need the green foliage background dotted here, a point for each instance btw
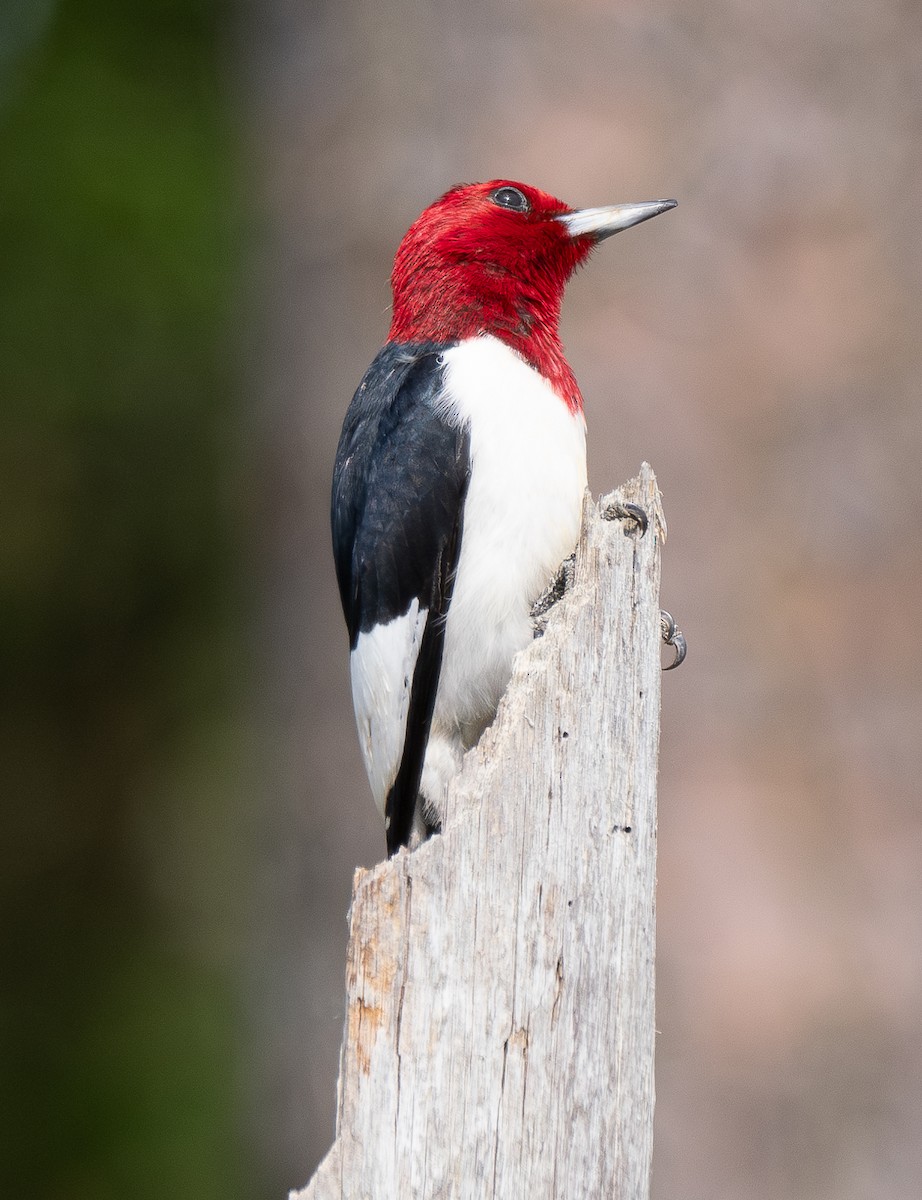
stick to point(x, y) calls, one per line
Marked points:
point(120, 733)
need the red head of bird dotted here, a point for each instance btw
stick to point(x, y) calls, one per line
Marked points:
point(495, 258)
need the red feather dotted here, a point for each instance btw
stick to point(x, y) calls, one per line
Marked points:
point(468, 266)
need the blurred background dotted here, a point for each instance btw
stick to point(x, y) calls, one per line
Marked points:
point(199, 206)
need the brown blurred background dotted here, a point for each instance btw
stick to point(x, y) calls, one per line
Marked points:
point(222, 191)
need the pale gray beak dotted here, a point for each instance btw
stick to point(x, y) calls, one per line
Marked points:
point(599, 223)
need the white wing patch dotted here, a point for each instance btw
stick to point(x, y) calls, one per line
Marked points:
point(382, 666)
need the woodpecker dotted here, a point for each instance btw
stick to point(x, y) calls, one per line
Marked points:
point(459, 480)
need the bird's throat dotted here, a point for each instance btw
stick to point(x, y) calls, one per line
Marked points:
point(498, 304)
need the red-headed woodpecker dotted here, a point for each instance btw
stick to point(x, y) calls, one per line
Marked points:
point(459, 480)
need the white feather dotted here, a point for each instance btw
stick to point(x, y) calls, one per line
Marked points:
point(382, 666)
point(521, 519)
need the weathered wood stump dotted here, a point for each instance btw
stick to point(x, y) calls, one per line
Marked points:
point(500, 980)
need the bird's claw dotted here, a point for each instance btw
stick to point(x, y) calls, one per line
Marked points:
point(555, 590)
point(673, 636)
point(626, 512)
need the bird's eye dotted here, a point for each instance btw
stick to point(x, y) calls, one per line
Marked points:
point(510, 197)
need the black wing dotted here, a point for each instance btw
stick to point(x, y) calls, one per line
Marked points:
point(399, 484)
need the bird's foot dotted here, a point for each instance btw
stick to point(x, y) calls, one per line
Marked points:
point(626, 512)
point(673, 636)
point(555, 590)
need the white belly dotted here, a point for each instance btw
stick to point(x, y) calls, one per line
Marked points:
point(521, 519)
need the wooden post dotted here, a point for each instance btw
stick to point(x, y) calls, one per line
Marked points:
point(500, 980)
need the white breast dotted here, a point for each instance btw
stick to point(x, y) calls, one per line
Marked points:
point(521, 519)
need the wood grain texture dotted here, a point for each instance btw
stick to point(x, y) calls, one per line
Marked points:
point(499, 1035)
